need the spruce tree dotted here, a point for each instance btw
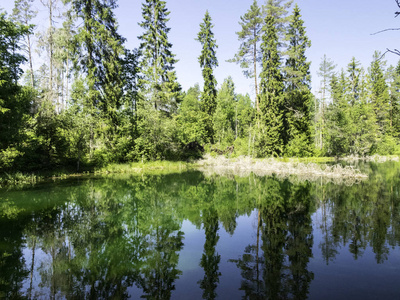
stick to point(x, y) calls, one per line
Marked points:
point(279, 10)
point(297, 91)
point(380, 94)
point(159, 80)
point(395, 100)
point(270, 136)
point(249, 54)
point(98, 55)
point(354, 73)
point(208, 61)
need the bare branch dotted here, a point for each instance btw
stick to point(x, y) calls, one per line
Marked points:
point(389, 29)
point(395, 51)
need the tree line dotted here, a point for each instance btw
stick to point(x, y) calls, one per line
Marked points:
point(93, 101)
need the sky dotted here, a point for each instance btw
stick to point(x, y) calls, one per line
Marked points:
point(340, 29)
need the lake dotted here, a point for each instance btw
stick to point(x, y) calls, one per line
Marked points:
point(194, 235)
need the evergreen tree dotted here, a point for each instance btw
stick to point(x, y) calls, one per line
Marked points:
point(98, 54)
point(249, 54)
point(159, 80)
point(354, 71)
point(395, 100)
point(270, 136)
point(380, 94)
point(298, 94)
point(208, 61)
point(279, 10)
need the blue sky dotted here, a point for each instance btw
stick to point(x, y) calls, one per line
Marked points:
point(340, 29)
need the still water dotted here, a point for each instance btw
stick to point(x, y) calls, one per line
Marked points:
point(193, 235)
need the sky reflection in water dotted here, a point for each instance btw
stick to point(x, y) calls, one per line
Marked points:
point(190, 235)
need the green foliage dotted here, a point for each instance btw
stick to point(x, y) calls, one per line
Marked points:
point(224, 116)
point(298, 137)
point(208, 61)
point(157, 65)
point(379, 93)
point(271, 129)
point(157, 136)
point(249, 54)
point(98, 54)
point(191, 120)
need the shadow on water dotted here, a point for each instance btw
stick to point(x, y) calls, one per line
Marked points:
point(122, 237)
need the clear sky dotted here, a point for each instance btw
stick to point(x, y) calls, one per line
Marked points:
point(340, 29)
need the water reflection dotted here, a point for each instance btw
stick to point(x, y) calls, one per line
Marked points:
point(122, 237)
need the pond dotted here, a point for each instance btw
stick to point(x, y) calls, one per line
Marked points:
point(194, 235)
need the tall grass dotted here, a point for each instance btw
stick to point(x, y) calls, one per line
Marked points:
point(140, 167)
point(13, 179)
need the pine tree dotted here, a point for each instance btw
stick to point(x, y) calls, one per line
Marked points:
point(159, 80)
point(279, 10)
point(249, 54)
point(297, 91)
point(208, 61)
point(270, 136)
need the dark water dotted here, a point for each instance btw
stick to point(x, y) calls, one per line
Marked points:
point(192, 236)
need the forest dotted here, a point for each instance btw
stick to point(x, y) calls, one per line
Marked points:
point(94, 102)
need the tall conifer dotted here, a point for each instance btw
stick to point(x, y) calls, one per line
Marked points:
point(99, 53)
point(208, 61)
point(270, 137)
point(380, 93)
point(158, 62)
point(298, 94)
point(249, 54)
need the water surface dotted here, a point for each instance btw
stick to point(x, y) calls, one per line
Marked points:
point(192, 236)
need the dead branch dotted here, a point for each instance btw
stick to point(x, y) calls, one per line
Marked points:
point(388, 29)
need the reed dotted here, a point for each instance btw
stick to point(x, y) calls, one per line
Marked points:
point(311, 171)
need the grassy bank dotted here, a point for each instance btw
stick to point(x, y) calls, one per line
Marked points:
point(141, 167)
point(308, 168)
point(305, 170)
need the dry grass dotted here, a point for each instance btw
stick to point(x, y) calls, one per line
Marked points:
point(243, 166)
point(374, 158)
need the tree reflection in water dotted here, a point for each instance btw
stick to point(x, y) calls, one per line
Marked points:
point(100, 237)
point(284, 220)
